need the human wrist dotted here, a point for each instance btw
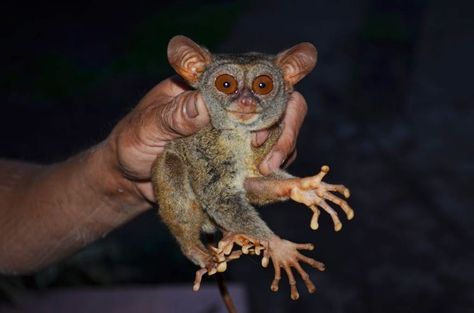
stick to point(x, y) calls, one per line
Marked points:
point(104, 174)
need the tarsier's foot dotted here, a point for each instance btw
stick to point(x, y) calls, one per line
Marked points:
point(313, 192)
point(284, 254)
point(214, 262)
point(247, 243)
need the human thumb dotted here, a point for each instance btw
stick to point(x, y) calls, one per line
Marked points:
point(182, 116)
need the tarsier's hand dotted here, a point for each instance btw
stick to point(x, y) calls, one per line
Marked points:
point(313, 192)
point(171, 110)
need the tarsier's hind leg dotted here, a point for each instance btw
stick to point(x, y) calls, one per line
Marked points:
point(183, 215)
point(179, 209)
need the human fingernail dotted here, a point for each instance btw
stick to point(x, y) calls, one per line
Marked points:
point(260, 138)
point(191, 109)
point(275, 161)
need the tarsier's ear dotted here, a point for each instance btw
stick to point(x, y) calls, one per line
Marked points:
point(297, 62)
point(187, 58)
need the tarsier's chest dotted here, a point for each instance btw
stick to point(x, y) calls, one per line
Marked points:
point(218, 157)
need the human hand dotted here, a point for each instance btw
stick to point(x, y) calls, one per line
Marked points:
point(171, 110)
point(283, 152)
point(168, 111)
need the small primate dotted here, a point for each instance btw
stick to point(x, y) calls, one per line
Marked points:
point(209, 181)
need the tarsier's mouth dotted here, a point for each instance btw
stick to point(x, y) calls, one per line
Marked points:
point(244, 117)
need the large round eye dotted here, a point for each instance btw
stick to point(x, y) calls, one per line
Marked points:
point(262, 85)
point(226, 83)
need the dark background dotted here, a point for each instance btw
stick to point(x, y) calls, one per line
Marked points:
point(391, 108)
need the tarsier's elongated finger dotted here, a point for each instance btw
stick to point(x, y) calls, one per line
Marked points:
point(234, 255)
point(212, 271)
point(213, 249)
point(292, 281)
point(198, 278)
point(258, 249)
point(266, 258)
point(304, 246)
point(311, 262)
point(221, 267)
point(342, 203)
point(339, 188)
point(305, 277)
point(315, 219)
point(276, 279)
point(217, 254)
point(225, 246)
point(228, 248)
point(314, 181)
point(335, 218)
point(246, 248)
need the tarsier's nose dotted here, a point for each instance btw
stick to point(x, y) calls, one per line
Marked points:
point(245, 107)
point(247, 99)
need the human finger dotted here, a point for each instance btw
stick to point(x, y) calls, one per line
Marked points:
point(292, 121)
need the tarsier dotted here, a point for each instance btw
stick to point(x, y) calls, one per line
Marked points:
point(210, 181)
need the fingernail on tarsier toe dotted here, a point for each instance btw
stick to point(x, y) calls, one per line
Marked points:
point(209, 181)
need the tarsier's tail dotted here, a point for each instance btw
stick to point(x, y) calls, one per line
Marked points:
point(229, 304)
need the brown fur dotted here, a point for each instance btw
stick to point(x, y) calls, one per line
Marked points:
point(199, 180)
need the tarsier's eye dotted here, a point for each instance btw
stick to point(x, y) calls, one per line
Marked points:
point(226, 83)
point(262, 85)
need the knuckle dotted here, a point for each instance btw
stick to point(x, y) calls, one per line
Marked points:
point(300, 102)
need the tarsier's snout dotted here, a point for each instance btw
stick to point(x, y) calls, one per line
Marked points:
point(245, 108)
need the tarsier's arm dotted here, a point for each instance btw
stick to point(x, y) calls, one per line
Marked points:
point(281, 186)
point(311, 191)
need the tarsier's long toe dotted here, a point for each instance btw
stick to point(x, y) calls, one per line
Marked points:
point(313, 192)
point(223, 254)
point(215, 263)
point(284, 254)
point(247, 243)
